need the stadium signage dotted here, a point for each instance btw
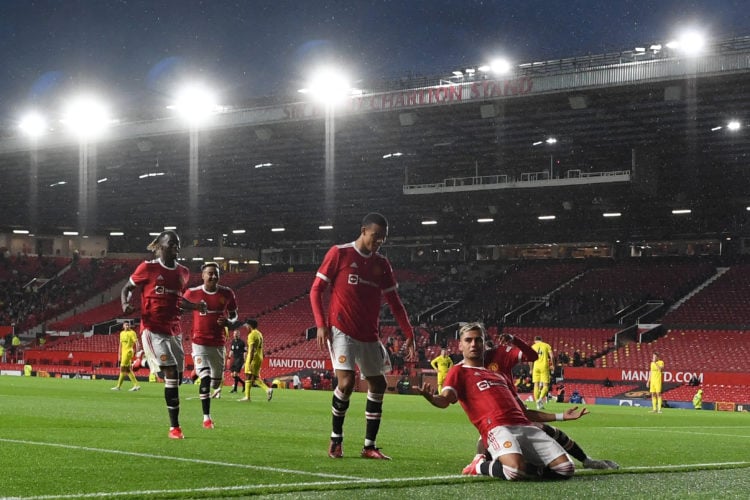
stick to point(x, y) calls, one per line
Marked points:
point(642, 376)
point(296, 363)
point(427, 96)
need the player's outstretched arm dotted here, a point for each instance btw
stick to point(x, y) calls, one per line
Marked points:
point(573, 413)
point(440, 400)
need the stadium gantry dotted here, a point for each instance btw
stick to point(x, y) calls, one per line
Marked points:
point(637, 134)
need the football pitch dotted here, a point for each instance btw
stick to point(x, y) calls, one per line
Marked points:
point(65, 438)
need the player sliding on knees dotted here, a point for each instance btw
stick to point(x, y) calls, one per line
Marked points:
point(502, 359)
point(517, 448)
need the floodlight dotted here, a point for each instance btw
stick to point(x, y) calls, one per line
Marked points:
point(328, 85)
point(733, 125)
point(170, 228)
point(485, 220)
point(33, 124)
point(116, 233)
point(325, 227)
point(681, 211)
point(86, 116)
point(277, 229)
point(690, 42)
point(20, 231)
point(612, 214)
point(70, 233)
point(238, 231)
point(429, 222)
point(195, 103)
point(546, 217)
point(500, 66)
point(551, 140)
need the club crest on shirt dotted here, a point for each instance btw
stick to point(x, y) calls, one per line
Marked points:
point(342, 359)
point(507, 444)
point(163, 357)
point(198, 360)
point(493, 367)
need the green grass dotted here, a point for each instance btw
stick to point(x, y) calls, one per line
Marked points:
point(64, 438)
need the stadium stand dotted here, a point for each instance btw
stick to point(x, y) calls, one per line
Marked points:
point(722, 302)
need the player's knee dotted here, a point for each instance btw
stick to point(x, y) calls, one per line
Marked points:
point(511, 473)
point(564, 470)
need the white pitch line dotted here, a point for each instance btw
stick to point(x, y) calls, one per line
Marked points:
point(369, 481)
point(683, 466)
point(681, 430)
point(291, 486)
point(183, 459)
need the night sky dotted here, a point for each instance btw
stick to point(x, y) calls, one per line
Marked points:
point(135, 52)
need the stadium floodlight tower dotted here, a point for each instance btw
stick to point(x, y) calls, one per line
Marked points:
point(195, 104)
point(690, 42)
point(87, 117)
point(330, 87)
point(33, 125)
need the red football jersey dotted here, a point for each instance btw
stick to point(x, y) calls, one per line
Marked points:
point(161, 292)
point(486, 396)
point(357, 282)
point(206, 330)
point(502, 359)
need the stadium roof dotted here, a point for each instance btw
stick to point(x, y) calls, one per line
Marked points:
point(661, 118)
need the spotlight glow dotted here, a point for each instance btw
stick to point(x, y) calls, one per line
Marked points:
point(86, 116)
point(33, 124)
point(328, 85)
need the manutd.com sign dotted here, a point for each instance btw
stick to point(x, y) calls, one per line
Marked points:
point(297, 364)
point(679, 377)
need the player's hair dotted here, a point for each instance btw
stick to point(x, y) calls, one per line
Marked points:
point(374, 218)
point(211, 264)
point(468, 327)
point(156, 245)
point(253, 323)
point(538, 337)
